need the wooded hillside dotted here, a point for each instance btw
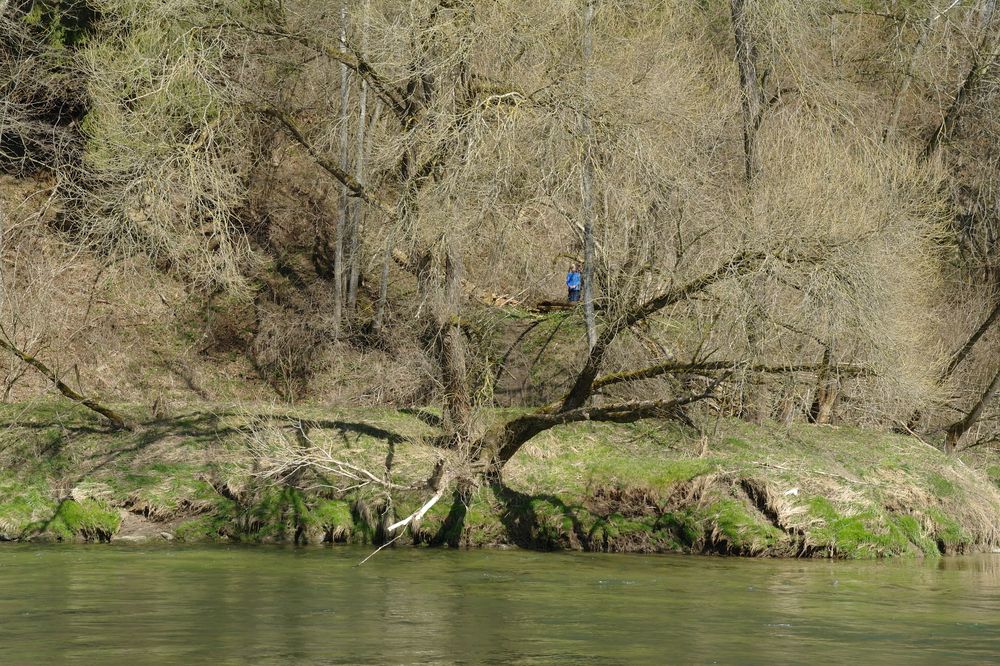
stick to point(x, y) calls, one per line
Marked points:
point(785, 210)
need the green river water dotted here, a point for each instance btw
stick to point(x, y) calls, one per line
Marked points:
point(268, 605)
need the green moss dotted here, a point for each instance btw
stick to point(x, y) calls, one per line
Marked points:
point(89, 519)
point(736, 444)
point(163, 490)
point(202, 528)
point(483, 524)
point(684, 525)
point(846, 536)
point(732, 520)
point(275, 515)
point(332, 514)
point(23, 502)
point(552, 526)
point(582, 485)
point(621, 533)
point(867, 533)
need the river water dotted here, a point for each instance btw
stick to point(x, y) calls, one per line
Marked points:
point(269, 605)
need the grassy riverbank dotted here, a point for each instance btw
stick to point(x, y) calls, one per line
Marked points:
point(646, 487)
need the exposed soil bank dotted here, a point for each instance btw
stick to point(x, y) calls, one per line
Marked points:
point(648, 487)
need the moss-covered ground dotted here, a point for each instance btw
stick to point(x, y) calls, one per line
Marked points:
point(652, 486)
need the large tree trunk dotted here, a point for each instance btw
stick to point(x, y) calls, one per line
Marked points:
point(458, 403)
point(583, 386)
point(502, 443)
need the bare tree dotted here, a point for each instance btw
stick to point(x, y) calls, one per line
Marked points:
point(587, 177)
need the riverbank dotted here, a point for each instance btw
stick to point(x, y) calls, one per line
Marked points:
point(812, 491)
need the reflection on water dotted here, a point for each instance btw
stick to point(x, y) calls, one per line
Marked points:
point(235, 605)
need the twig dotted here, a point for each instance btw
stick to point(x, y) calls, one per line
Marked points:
point(916, 436)
point(387, 543)
point(811, 471)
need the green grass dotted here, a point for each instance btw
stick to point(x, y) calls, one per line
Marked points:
point(741, 530)
point(23, 502)
point(89, 519)
point(869, 533)
point(993, 474)
point(941, 486)
point(647, 486)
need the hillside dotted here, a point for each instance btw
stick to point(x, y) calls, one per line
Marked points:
point(783, 217)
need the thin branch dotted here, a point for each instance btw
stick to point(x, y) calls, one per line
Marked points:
point(674, 367)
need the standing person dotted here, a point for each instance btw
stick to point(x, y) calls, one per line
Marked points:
point(573, 283)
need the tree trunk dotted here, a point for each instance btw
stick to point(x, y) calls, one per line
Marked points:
point(904, 85)
point(383, 289)
point(960, 355)
point(962, 426)
point(755, 397)
point(751, 92)
point(583, 386)
point(503, 442)
point(587, 180)
point(357, 212)
point(752, 99)
point(827, 392)
point(458, 404)
point(342, 223)
point(982, 60)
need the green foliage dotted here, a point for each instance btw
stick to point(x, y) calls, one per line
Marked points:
point(66, 23)
point(914, 533)
point(640, 487)
point(870, 533)
point(846, 535)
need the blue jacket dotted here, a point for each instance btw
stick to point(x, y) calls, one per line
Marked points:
point(574, 280)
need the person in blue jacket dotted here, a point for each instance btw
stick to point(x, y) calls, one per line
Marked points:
point(573, 283)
